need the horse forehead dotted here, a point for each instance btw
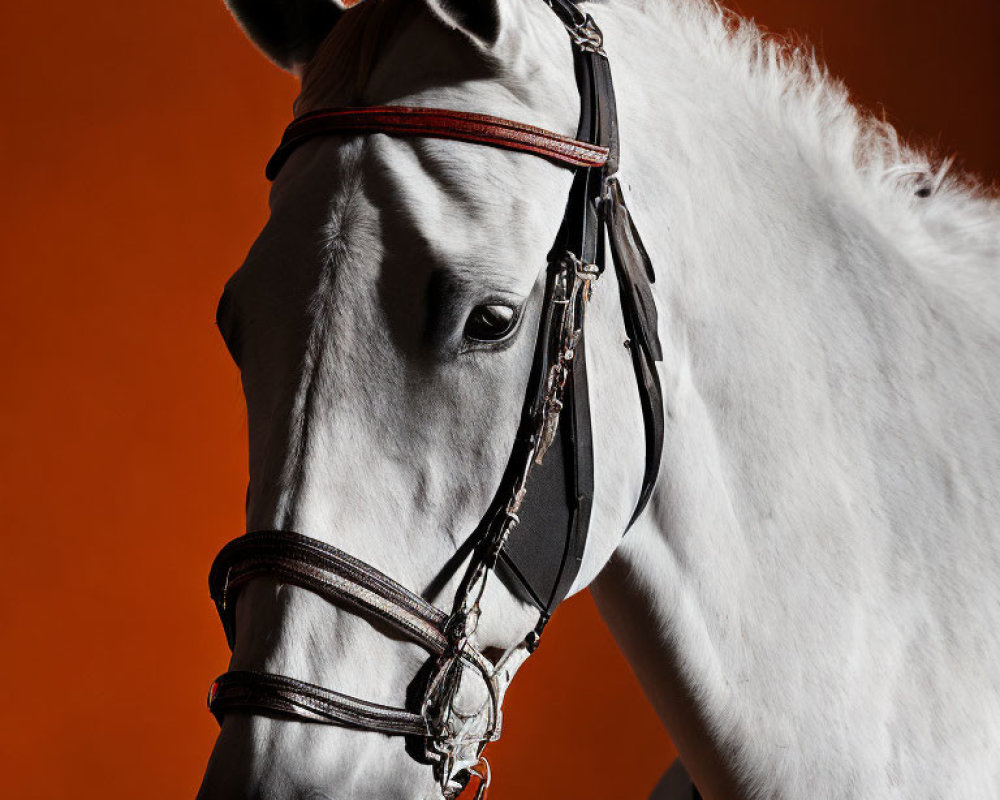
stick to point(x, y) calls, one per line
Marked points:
point(459, 203)
point(463, 201)
point(363, 209)
point(379, 55)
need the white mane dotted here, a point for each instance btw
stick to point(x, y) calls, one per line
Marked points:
point(825, 553)
point(777, 85)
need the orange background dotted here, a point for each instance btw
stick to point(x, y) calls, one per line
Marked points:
point(132, 145)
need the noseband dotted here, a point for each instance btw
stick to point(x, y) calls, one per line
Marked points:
point(533, 540)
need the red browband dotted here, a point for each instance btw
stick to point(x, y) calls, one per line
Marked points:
point(439, 123)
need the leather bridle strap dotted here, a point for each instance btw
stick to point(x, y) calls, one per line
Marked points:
point(339, 578)
point(242, 690)
point(635, 277)
point(462, 126)
point(325, 570)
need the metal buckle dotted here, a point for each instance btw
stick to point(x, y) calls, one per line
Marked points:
point(485, 775)
point(587, 36)
point(584, 270)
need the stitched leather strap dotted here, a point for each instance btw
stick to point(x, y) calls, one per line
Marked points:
point(438, 123)
point(635, 278)
point(251, 690)
point(321, 568)
point(338, 577)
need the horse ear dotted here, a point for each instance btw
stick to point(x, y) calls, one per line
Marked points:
point(480, 20)
point(287, 31)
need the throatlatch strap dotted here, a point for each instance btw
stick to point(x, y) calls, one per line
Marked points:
point(439, 123)
point(635, 276)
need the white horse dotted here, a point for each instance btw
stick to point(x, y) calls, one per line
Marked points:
point(812, 599)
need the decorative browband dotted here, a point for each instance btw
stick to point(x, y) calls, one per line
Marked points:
point(439, 123)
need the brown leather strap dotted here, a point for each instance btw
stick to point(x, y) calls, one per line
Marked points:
point(248, 690)
point(338, 577)
point(438, 123)
point(327, 571)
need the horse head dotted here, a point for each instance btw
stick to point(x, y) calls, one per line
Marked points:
point(386, 325)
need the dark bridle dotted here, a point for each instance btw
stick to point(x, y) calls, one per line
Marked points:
point(535, 540)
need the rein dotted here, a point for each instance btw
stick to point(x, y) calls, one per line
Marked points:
point(533, 539)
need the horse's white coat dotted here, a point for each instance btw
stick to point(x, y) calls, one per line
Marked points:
point(813, 599)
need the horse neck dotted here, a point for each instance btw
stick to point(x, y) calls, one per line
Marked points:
point(829, 338)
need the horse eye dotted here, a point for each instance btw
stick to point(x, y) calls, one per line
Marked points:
point(490, 322)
